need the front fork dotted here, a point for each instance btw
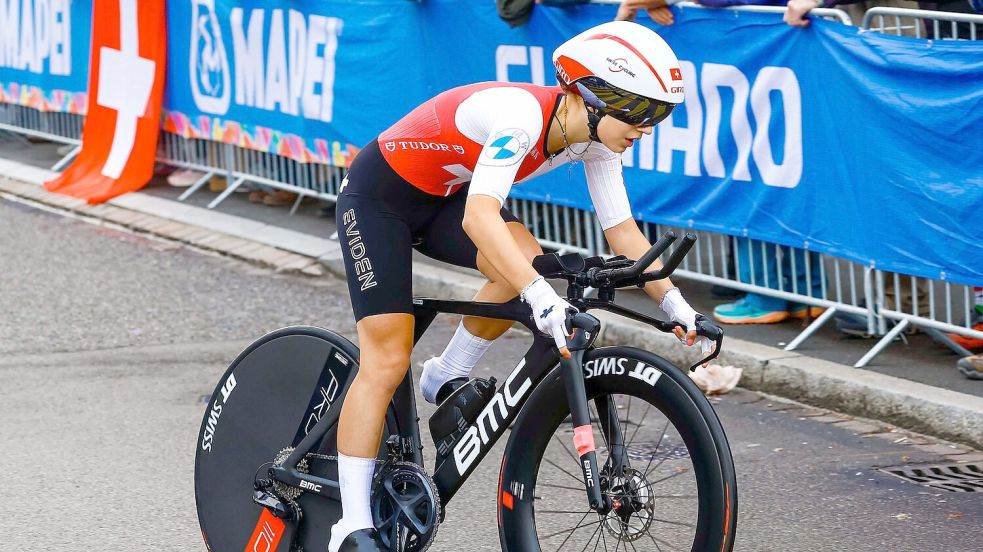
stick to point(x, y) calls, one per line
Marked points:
point(585, 328)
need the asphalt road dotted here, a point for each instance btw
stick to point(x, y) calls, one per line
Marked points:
point(109, 340)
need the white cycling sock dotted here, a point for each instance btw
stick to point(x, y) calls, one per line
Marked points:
point(355, 478)
point(461, 355)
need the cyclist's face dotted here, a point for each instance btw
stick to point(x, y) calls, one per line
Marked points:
point(617, 135)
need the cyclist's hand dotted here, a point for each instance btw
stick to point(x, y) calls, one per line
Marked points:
point(549, 312)
point(679, 311)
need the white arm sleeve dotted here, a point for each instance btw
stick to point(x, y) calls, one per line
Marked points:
point(513, 133)
point(606, 185)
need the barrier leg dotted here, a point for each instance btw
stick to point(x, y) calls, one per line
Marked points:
point(811, 329)
point(64, 160)
point(231, 188)
point(194, 187)
point(882, 344)
point(300, 197)
point(17, 138)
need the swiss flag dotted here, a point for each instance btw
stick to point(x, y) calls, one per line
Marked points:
point(119, 137)
point(676, 74)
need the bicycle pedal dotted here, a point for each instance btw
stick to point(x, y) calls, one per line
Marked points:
point(460, 409)
point(276, 506)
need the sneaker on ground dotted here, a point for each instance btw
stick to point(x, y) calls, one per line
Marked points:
point(217, 184)
point(855, 325)
point(804, 311)
point(971, 367)
point(184, 178)
point(283, 197)
point(971, 343)
point(742, 312)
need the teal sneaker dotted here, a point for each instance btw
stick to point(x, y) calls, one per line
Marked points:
point(743, 312)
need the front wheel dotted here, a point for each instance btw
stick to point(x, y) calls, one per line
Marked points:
point(676, 489)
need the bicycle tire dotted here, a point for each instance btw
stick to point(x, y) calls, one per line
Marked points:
point(675, 396)
point(267, 400)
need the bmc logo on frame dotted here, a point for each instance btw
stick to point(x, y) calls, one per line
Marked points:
point(282, 60)
point(754, 109)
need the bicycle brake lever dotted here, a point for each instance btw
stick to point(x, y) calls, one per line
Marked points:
point(711, 331)
point(588, 326)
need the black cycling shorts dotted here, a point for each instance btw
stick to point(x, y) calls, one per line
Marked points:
point(381, 219)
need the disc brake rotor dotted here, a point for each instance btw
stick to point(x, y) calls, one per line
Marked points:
point(634, 507)
point(406, 507)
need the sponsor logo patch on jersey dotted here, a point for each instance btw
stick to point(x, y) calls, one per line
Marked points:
point(506, 147)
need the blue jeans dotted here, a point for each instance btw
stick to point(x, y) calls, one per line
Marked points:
point(761, 259)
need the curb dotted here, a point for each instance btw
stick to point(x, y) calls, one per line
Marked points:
point(911, 405)
point(283, 250)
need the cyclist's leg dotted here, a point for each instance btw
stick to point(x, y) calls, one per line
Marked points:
point(446, 240)
point(497, 289)
point(376, 237)
point(385, 341)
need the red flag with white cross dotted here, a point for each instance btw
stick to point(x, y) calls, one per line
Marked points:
point(126, 84)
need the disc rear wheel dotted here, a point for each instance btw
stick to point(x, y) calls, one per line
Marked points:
point(267, 401)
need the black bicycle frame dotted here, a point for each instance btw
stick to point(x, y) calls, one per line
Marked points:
point(479, 439)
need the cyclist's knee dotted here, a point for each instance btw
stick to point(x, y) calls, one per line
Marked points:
point(386, 341)
point(383, 372)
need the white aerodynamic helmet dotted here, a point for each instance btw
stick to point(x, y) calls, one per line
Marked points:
point(621, 69)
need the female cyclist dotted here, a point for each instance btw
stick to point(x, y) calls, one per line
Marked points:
point(437, 181)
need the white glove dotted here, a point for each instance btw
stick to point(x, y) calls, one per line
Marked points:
point(679, 311)
point(549, 311)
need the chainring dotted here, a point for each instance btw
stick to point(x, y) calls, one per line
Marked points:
point(406, 507)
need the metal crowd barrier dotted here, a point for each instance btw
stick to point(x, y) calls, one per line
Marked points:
point(65, 128)
point(825, 13)
point(241, 165)
point(845, 287)
point(924, 23)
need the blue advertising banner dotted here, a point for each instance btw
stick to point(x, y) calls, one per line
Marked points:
point(309, 80)
point(864, 146)
point(44, 53)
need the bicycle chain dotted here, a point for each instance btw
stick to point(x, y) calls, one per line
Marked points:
point(290, 494)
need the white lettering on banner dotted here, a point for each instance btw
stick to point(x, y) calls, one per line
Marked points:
point(293, 69)
point(507, 55)
point(699, 140)
point(32, 31)
point(782, 79)
point(713, 77)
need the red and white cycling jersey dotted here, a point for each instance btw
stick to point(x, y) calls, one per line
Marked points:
point(494, 135)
